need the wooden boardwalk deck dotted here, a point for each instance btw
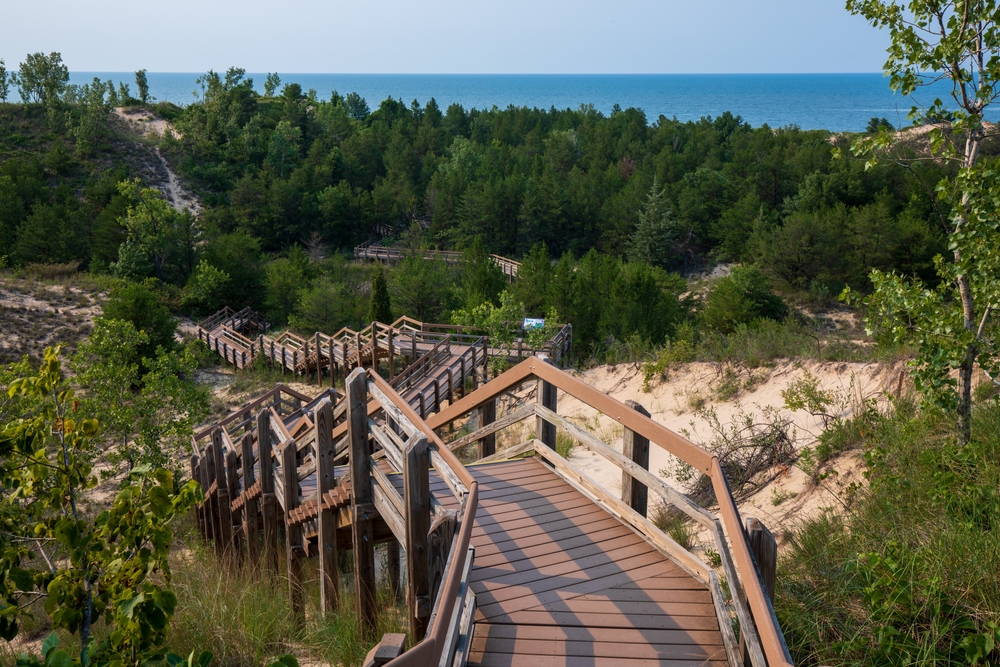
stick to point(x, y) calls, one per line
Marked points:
point(559, 581)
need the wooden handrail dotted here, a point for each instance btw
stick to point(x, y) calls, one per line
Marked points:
point(771, 638)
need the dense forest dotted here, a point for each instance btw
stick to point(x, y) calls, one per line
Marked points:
point(619, 205)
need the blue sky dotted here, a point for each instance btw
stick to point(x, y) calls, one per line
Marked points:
point(446, 36)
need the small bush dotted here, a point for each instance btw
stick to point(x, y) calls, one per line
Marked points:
point(742, 297)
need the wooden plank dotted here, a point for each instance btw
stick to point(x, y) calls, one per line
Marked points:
point(635, 447)
point(575, 633)
point(362, 495)
point(416, 468)
point(640, 524)
point(387, 510)
point(329, 574)
point(591, 649)
point(653, 622)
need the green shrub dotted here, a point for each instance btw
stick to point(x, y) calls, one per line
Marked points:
point(909, 576)
point(742, 297)
point(136, 303)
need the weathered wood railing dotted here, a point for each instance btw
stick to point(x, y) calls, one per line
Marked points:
point(380, 253)
point(760, 634)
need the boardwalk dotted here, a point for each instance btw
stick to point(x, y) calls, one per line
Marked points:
point(510, 560)
point(559, 581)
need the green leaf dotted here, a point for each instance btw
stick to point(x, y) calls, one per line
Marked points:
point(50, 643)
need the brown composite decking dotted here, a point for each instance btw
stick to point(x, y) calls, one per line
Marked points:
point(559, 581)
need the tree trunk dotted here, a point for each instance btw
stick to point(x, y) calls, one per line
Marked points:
point(968, 307)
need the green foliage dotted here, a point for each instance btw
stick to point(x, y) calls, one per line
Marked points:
point(137, 304)
point(740, 298)
point(142, 87)
point(948, 325)
point(113, 566)
point(482, 279)
point(379, 308)
point(42, 78)
point(6, 79)
point(907, 577)
point(206, 289)
point(284, 281)
point(159, 238)
point(421, 289)
point(653, 238)
point(670, 354)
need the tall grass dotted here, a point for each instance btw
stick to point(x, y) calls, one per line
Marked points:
point(909, 574)
point(244, 615)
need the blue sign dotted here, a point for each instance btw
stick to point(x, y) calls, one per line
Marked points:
point(534, 323)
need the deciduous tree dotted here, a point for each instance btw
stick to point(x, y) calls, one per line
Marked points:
point(957, 43)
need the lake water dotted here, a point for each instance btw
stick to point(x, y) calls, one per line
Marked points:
point(838, 102)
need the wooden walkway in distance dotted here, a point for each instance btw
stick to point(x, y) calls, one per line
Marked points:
point(559, 581)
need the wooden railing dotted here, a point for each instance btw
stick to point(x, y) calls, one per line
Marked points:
point(760, 633)
point(381, 253)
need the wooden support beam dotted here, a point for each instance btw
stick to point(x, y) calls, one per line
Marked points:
point(251, 506)
point(329, 580)
point(199, 510)
point(294, 548)
point(488, 415)
point(269, 503)
point(636, 448)
point(417, 496)
point(225, 540)
point(393, 567)
point(362, 496)
point(547, 397)
point(333, 364)
point(232, 482)
point(392, 358)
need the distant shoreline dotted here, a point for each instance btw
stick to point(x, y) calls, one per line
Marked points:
point(837, 102)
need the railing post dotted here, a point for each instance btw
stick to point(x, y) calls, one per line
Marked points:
point(764, 549)
point(333, 365)
point(416, 468)
point(636, 448)
point(205, 478)
point(393, 566)
point(199, 510)
point(294, 548)
point(488, 415)
point(548, 397)
point(362, 496)
point(392, 357)
point(268, 499)
point(232, 481)
point(250, 505)
point(222, 495)
point(357, 344)
point(319, 376)
point(413, 346)
point(329, 585)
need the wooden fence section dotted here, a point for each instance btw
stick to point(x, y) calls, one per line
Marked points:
point(386, 254)
point(241, 338)
point(551, 569)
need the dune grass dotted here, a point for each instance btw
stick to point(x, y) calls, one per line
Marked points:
point(909, 574)
point(244, 616)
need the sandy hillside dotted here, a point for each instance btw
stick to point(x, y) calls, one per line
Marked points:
point(680, 401)
point(155, 170)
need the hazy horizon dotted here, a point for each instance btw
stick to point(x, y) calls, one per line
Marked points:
point(450, 37)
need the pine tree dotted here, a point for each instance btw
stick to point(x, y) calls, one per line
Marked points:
point(379, 309)
point(651, 242)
